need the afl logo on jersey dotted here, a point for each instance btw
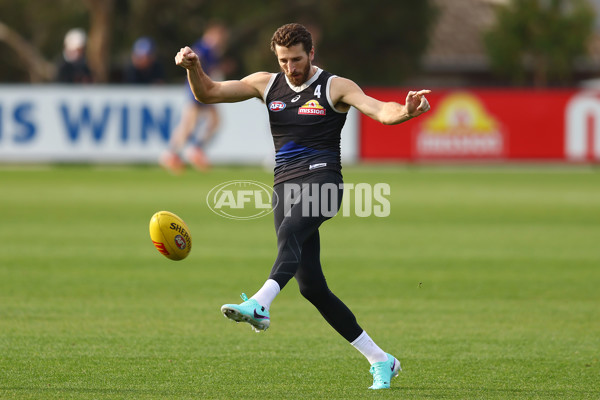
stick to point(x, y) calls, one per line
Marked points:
point(276, 106)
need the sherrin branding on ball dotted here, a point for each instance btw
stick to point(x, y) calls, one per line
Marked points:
point(170, 235)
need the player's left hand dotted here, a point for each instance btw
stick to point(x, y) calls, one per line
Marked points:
point(416, 103)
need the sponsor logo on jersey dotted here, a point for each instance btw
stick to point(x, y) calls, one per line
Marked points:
point(315, 166)
point(276, 106)
point(312, 107)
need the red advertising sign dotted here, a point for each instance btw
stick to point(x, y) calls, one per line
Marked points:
point(544, 125)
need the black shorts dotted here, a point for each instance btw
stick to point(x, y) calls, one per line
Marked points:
point(309, 199)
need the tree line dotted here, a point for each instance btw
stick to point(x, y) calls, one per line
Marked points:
point(375, 43)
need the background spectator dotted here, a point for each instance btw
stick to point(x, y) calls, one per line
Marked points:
point(144, 67)
point(73, 67)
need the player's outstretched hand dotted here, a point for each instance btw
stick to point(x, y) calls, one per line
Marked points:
point(416, 103)
point(186, 58)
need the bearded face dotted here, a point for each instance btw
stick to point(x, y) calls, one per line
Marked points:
point(295, 63)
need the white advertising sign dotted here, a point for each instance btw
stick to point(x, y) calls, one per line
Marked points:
point(582, 127)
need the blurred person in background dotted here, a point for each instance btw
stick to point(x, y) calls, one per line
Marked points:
point(307, 109)
point(73, 67)
point(199, 122)
point(144, 67)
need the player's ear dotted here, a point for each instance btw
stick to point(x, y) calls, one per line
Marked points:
point(311, 54)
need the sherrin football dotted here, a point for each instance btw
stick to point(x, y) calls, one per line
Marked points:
point(170, 235)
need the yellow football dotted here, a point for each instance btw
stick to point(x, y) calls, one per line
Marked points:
point(170, 235)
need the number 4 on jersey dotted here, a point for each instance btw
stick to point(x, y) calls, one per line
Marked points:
point(318, 91)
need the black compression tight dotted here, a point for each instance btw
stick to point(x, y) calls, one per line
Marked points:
point(299, 245)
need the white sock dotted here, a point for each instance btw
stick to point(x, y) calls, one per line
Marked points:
point(369, 349)
point(267, 293)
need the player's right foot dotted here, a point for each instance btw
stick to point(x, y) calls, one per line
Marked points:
point(249, 311)
point(171, 162)
point(384, 371)
point(198, 159)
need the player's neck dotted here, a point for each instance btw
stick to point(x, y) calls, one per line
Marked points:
point(311, 73)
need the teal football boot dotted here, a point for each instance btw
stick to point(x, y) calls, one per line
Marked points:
point(384, 371)
point(249, 311)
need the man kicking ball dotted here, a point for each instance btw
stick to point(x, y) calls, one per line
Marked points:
point(307, 109)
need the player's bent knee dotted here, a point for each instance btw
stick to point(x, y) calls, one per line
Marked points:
point(315, 293)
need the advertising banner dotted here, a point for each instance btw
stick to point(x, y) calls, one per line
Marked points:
point(128, 124)
point(493, 125)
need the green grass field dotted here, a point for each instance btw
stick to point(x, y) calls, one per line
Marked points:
point(483, 281)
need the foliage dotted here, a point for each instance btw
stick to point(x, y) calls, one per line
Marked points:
point(542, 36)
point(375, 43)
point(43, 24)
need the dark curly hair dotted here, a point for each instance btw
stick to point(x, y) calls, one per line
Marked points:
point(290, 35)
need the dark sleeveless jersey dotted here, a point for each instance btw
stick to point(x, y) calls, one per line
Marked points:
point(306, 128)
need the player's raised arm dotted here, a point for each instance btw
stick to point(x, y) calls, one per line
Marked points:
point(208, 91)
point(346, 93)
